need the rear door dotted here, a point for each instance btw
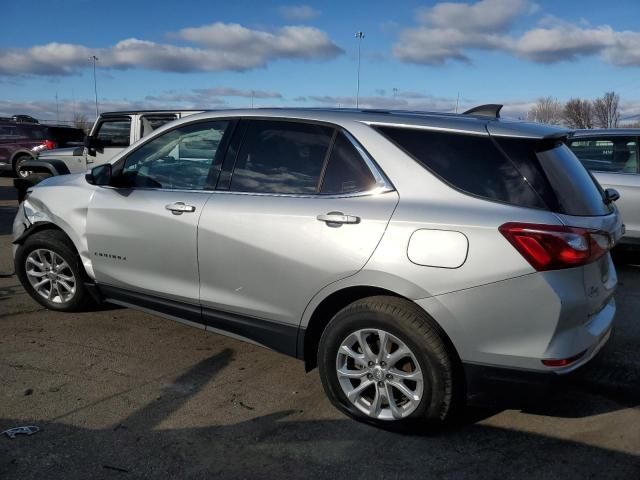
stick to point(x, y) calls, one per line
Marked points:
point(298, 206)
point(613, 160)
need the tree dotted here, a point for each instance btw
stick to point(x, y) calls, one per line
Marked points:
point(605, 110)
point(578, 113)
point(546, 110)
point(80, 120)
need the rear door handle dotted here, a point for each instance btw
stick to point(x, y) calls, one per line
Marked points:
point(178, 208)
point(335, 219)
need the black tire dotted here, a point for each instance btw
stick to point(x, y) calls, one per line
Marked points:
point(55, 241)
point(16, 164)
point(443, 390)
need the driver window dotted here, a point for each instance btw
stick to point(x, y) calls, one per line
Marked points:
point(178, 159)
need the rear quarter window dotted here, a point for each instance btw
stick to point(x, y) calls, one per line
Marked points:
point(470, 163)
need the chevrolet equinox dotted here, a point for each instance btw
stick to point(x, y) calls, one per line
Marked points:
point(399, 252)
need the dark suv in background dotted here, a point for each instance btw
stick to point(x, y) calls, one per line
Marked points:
point(20, 141)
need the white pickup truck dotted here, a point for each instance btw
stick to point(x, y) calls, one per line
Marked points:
point(111, 133)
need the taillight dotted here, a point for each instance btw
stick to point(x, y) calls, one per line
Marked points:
point(552, 247)
point(49, 144)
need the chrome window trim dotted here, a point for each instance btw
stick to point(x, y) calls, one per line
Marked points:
point(426, 127)
point(382, 182)
point(364, 193)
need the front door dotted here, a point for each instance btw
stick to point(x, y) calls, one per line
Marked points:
point(614, 162)
point(142, 232)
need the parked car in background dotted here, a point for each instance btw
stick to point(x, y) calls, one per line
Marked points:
point(406, 255)
point(111, 133)
point(21, 141)
point(24, 119)
point(612, 156)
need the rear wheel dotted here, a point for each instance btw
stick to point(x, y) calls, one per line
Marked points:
point(50, 270)
point(17, 163)
point(384, 361)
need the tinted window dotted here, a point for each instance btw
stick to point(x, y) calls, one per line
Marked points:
point(612, 154)
point(114, 133)
point(66, 136)
point(556, 174)
point(471, 163)
point(180, 158)
point(34, 132)
point(577, 191)
point(346, 171)
point(281, 157)
point(8, 130)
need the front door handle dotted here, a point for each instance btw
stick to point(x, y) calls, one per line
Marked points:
point(178, 208)
point(335, 219)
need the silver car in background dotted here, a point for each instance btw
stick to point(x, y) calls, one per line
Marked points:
point(404, 254)
point(612, 156)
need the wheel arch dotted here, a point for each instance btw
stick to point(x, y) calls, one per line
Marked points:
point(309, 337)
point(18, 153)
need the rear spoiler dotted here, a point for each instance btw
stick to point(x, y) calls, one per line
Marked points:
point(491, 110)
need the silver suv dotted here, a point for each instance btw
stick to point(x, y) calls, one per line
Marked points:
point(403, 254)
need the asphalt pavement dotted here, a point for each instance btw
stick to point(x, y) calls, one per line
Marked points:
point(122, 394)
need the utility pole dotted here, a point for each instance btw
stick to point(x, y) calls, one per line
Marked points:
point(359, 36)
point(395, 93)
point(252, 95)
point(457, 102)
point(57, 110)
point(95, 85)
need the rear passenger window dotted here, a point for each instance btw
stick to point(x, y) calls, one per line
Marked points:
point(346, 171)
point(471, 163)
point(281, 157)
point(614, 154)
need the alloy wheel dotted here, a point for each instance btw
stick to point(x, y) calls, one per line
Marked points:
point(379, 374)
point(50, 275)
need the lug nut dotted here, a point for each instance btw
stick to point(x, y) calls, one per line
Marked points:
point(370, 363)
point(380, 384)
point(383, 364)
point(389, 377)
point(369, 376)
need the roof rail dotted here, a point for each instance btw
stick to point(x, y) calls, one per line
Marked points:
point(491, 110)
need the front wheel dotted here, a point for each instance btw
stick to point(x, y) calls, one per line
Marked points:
point(384, 361)
point(51, 272)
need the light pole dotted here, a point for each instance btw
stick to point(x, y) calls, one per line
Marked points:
point(95, 85)
point(359, 36)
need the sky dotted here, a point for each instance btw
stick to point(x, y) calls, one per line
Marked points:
point(226, 54)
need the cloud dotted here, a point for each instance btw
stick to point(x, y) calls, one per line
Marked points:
point(483, 16)
point(449, 31)
point(234, 92)
point(287, 42)
point(216, 47)
point(298, 12)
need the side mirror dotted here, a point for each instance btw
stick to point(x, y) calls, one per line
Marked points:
point(611, 195)
point(92, 143)
point(100, 175)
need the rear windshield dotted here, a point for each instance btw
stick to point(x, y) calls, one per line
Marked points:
point(527, 173)
point(66, 136)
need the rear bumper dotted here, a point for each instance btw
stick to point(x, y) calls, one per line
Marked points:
point(515, 324)
point(493, 380)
